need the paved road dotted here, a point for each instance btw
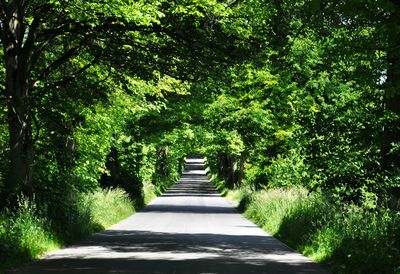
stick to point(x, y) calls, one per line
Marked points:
point(190, 229)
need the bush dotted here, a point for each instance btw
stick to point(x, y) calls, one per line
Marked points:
point(286, 171)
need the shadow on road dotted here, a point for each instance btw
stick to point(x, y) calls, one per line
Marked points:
point(125, 251)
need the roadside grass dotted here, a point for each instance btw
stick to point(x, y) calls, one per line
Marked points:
point(149, 192)
point(109, 206)
point(236, 194)
point(29, 232)
point(24, 235)
point(344, 238)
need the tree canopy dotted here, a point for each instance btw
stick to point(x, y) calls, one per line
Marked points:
point(273, 93)
point(116, 93)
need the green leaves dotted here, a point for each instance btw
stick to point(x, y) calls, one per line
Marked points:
point(268, 90)
point(140, 13)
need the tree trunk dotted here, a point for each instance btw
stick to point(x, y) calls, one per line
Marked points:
point(162, 161)
point(228, 169)
point(240, 171)
point(232, 171)
point(114, 179)
point(20, 129)
point(17, 91)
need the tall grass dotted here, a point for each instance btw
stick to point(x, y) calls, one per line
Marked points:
point(28, 233)
point(24, 235)
point(109, 206)
point(345, 238)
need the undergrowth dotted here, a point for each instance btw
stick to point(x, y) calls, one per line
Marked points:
point(29, 232)
point(345, 238)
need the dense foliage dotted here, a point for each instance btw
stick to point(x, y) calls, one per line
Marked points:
point(108, 94)
point(318, 105)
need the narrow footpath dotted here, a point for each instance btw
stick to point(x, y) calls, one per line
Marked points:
point(190, 229)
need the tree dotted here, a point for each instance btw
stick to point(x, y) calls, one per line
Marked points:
point(42, 41)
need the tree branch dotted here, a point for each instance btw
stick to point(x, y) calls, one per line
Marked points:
point(30, 41)
point(33, 28)
point(36, 53)
point(8, 37)
point(192, 42)
point(59, 62)
point(234, 3)
point(70, 26)
point(67, 79)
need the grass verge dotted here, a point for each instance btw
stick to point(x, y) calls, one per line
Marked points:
point(342, 237)
point(29, 232)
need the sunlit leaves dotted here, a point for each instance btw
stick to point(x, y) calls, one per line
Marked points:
point(141, 13)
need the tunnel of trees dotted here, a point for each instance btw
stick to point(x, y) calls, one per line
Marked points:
point(275, 94)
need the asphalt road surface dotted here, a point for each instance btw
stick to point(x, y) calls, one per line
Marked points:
point(190, 229)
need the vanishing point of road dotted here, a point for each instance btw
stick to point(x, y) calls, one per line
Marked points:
point(190, 229)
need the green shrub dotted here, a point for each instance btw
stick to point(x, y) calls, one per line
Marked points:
point(286, 170)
